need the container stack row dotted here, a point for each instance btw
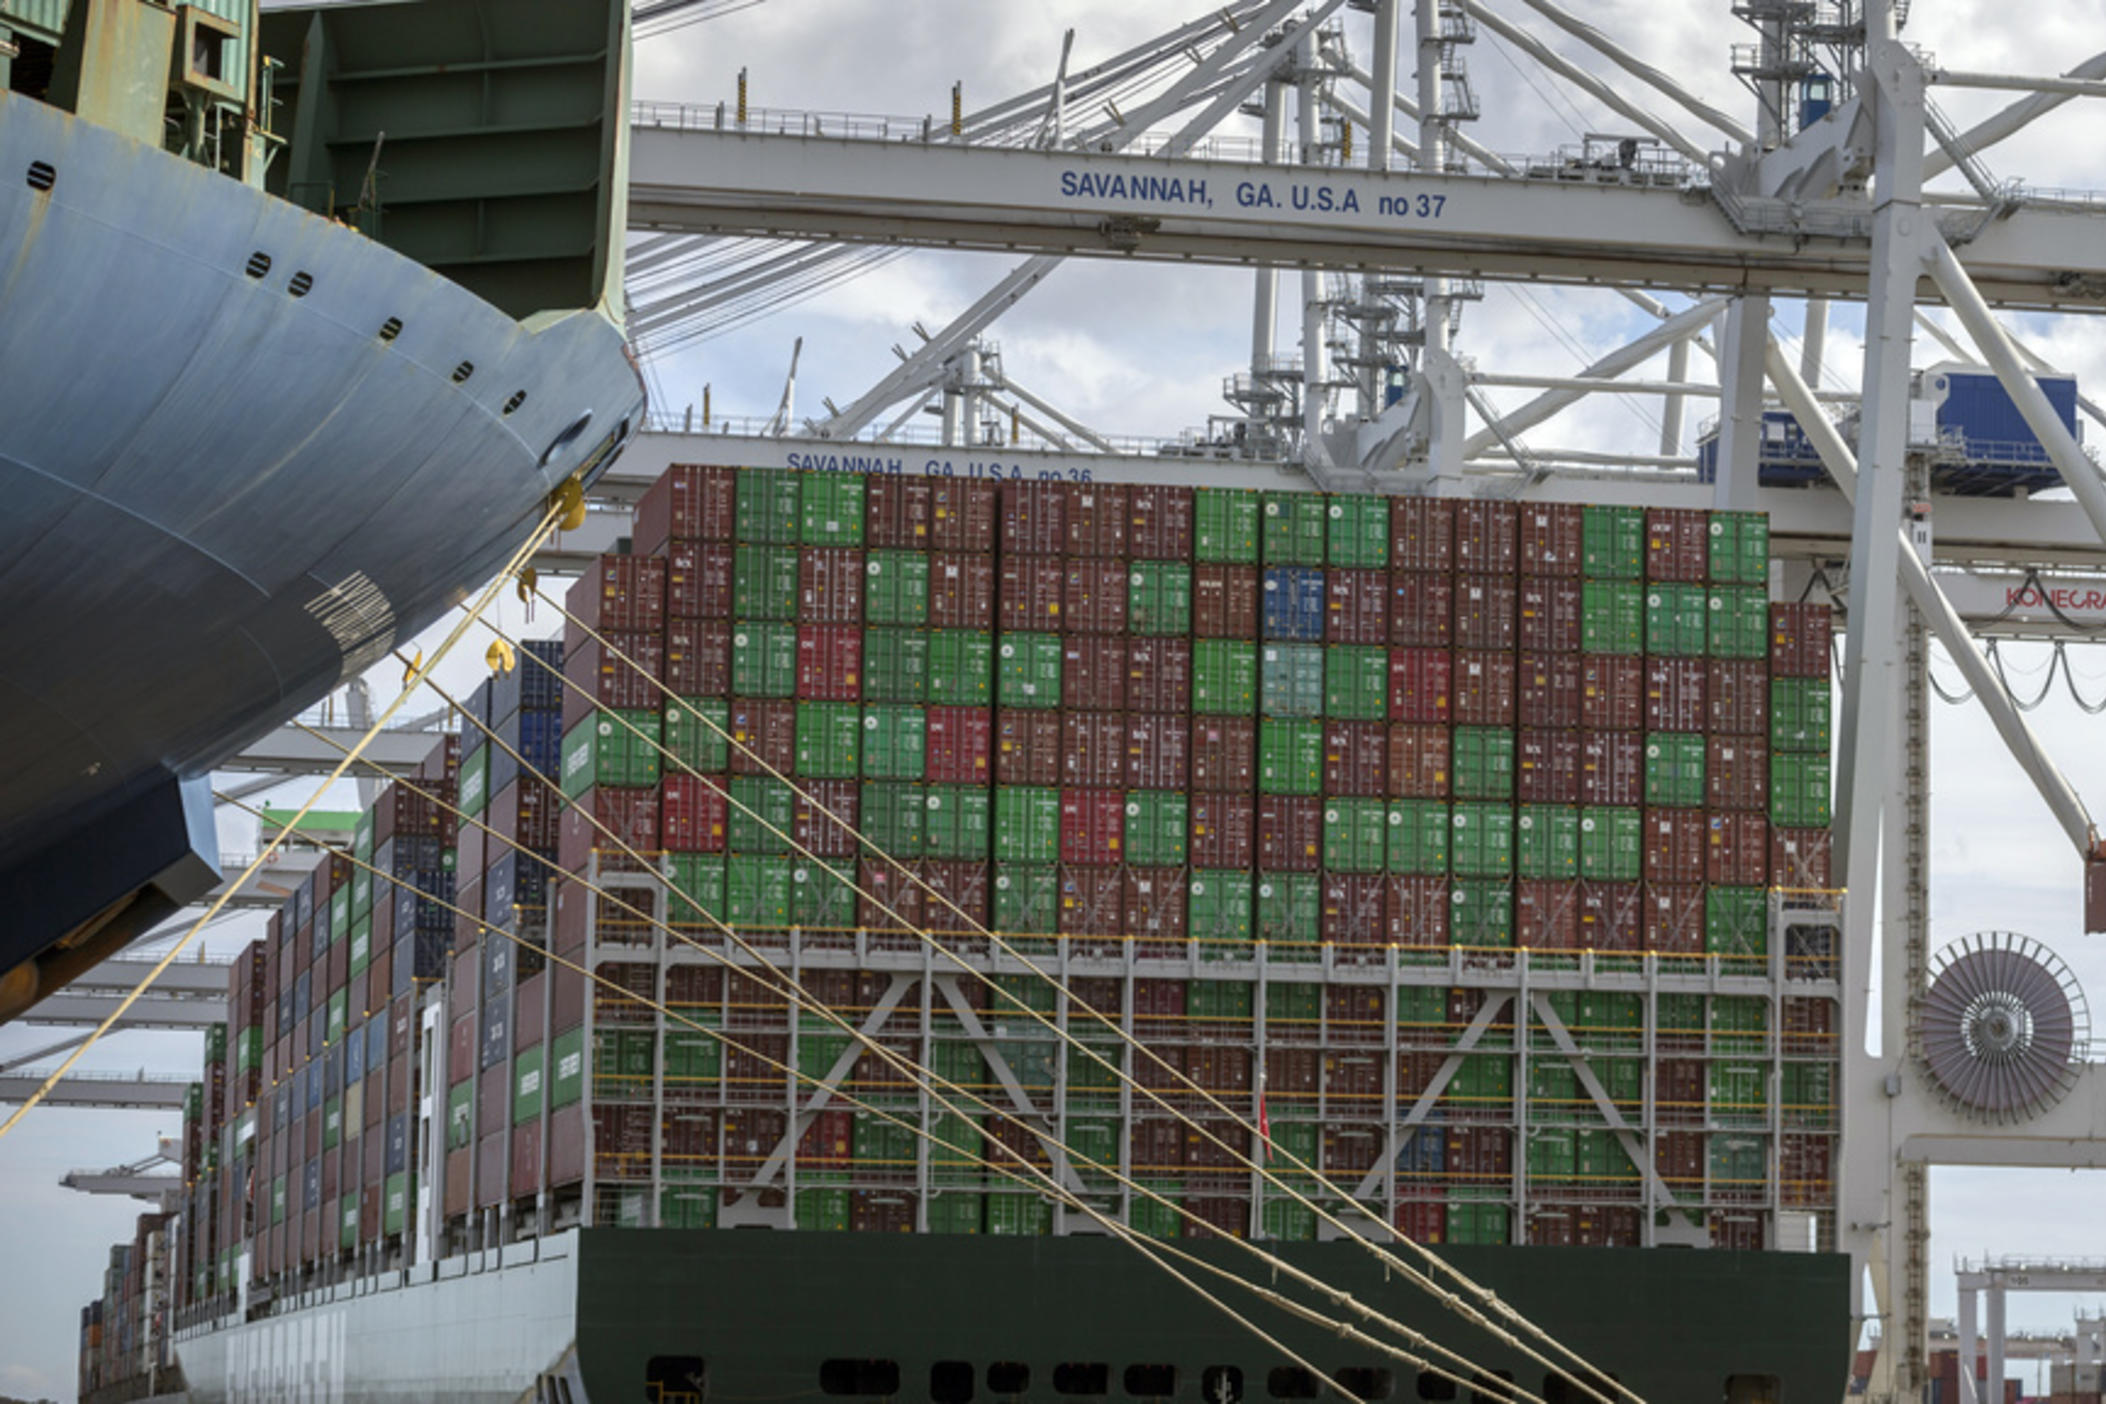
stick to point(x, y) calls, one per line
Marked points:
point(125, 1349)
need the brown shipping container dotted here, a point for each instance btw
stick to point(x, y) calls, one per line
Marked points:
point(1356, 755)
point(1612, 692)
point(1422, 534)
point(1418, 765)
point(1677, 544)
point(1674, 918)
point(1485, 610)
point(1092, 826)
point(688, 502)
point(959, 745)
point(460, 1049)
point(1611, 916)
point(1484, 688)
point(1093, 671)
point(1486, 536)
point(961, 590)
point(622, 670)
point(763, 735)
point(1224, 828)
point(610, 820)
point(1675, 840)
point(1356, 607)
point(698, 657)
point(1093, 597)
point(1421, 682)
point(896, 512)
point(963, 516)
point(829, 585)
point(1158, 751)
point(698, 580)
point(1674, 694)
point(529, 1012)
point(1547, 615)
point(1547, 690)
point(1225, 601)
point(1551, 538)
point(1612, 768)
point(1800, 636)
point(1089, 749)
point(526, 1161)
point(1224, 754)
point(1418, 911)
point(457, 1185)
point(1355, 909)
point(1290, 833)
point(1034, 518)
point(824, 816)
point(566, 1144)
point(1092, 901)
point(1800, 858)
point(1546, 914)
point(493, 1158)
point(955, 885)
point(830, 662)
point(1159, 675)
point(1028, 746)
point(1160, 522)
point(1737, 773)
point(1737, 850)
point(1421, 609)
point(885, 885)
point(1155, 903)
point(1098, 517)
point(1738, 698)
point(619, 593)
point(1030, 592)
point(1547, 766)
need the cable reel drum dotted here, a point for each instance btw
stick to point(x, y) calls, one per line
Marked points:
point(2004, 1025)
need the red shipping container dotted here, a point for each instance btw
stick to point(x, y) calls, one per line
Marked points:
point(1028, 747)
point(1090, 749)
point(881, 1211)
point(1155, 904)
point(698, 580)
point(1224, 828)
point(830, 662)
point(897, 512)
point(1678, 1156)
point(1675, 690)
point(1418, 761)
point(1547, 615)
point(1737, 850)
point(1160, 522)
point(1484, 688)
point(1546, 914)
point(828, 1140)
point(1547, 690)
point(1030, 592)
point(823, 817)
point(1421, 682)
point(698, 657)
point(962, 515)
point(961, 590)
point(1093, 597)
point(1224, 601)
point(1674, 918)
point(1355, 912)
point(620, 670)
point(1092, 898)
point(1356, 607)
point(959, 745)
point(1159, 675)
point(1612, 692)
point(763, 735)
point(1805, 1170)
point(1155, 1144)
point(1675, 840)
point(1290, 833)
point(1219, 1070)
point(1677, 544)
point(1421, 609)
point(1158, 751)
point(460, 1049)
point(1550, 1228)
point(626, 819)
point(1737, 1233)
point(1485, 609)
point(1486, 536)
point(1612, 768)
point(694, 815)
point(1418, 912)
point(1800, 858)
point(1551, 538)
point(1224, 754)
point(893, 886)
point(1356, 758)
point(623, 594)
point(830, 585)
point(1737, 772)
point(1422, 534)
point(1738, 698)
point(1098, 516)
point(1092, 826)
point(689, 502)
point(1034, 518)
point(1480, 1157)
point(526, 1161)
point(457, 1183)
point(1809, 1026)
point(1611, 916)
point(1423, 1220)
point(1547, 766)
point(1093, 671)
point(527, 811)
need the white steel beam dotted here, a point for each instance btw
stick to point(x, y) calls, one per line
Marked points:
point(151, 1011)
point(291, 751)
point(1644, 72)
point(1985, 134)
point(107, 1092)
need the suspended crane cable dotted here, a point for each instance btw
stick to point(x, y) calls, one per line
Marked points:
point(1996, 659)
point(1451, 1299)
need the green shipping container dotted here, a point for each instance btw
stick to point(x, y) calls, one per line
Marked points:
point(961, 667)
point(1288, 1220)
point(248, 1050)
point(1027, 824)
point(1294, 1006)
point(361, 890)
point(1418, 836)
point(1297, 526)
point(893, 817)
point(1482, 762)
point(762, 810)
point(1482, 1081)
point(1028, 670)
point(361, 947)
point(1674, 769)
point(1740, 622)
point(567, 1084)
point(1612, 543)
point(1026, 898)
point(959, 822)
point(1675, 619)
point(893, 743)
point(1737, 923)
point(1612, 617)
point(1739, 1024)
point(1289, 912)
point(339, 1016)
point(697, 896)
point(1476, 1221)
point(757, 890)
point(1800, 712)
point(1290, 757)
point(763, 659)
point(611, 748)
point(1359, 531)
point(764, 581)
point(822, 1203)
point(1611, 843)
point(896, 588)
point(1739, 1094)
point(473, 788)
point(1225, 526)
point(1224, 677)
point(362, 836)
point(693, 1058)
point(1808, 1093)
point(1799, 791)
point(332, 1123)
point(1218, 999)
point(829, 740)
point(833, 509)
point(1422, 1006)
point(1157, 822)
point(1153, 1217)
point(1356, 682)
point(1291, 680)
point(1547, 841)
point(896, 666)
point(1355, 834)
point(1482, 913)
point(347, 1222)
point(527, 1071)
point(1553, 1156)
point(395, 1202)
point(1740, 1165)
point(687, 1207)
point(1740, 548)
point(821, 901)
point(768, 505)
point(696, 732)
point(1482, 840)
point(1159, 597)
point(1019, 1215)
point(1219, 910)
point(955, 1212)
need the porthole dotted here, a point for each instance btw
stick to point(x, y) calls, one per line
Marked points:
point(462, 371)
point(1366, 1382)
point(1150, 1381)
point(259, 264)
point(301, 284)
point(951, 1382)
point(859, 1377)
point(1087, 1378)
point(1008, 1377)
point(390, 329)
point(1290, 1382)
point(42, 175)
point(518, 399)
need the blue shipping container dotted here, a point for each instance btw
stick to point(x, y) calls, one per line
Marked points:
point(529, 687)
point(1996, 449)
point(1425, 1153)
point(1293, 605)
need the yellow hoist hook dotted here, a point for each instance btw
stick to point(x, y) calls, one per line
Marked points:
point(410, 667)
point(569, 499)
point(528, 579)
point(500, 657)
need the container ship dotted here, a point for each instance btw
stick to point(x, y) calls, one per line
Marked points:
point(1277, 870)
point(305, 315)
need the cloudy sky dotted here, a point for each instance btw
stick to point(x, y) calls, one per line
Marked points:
point(1139, 349)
